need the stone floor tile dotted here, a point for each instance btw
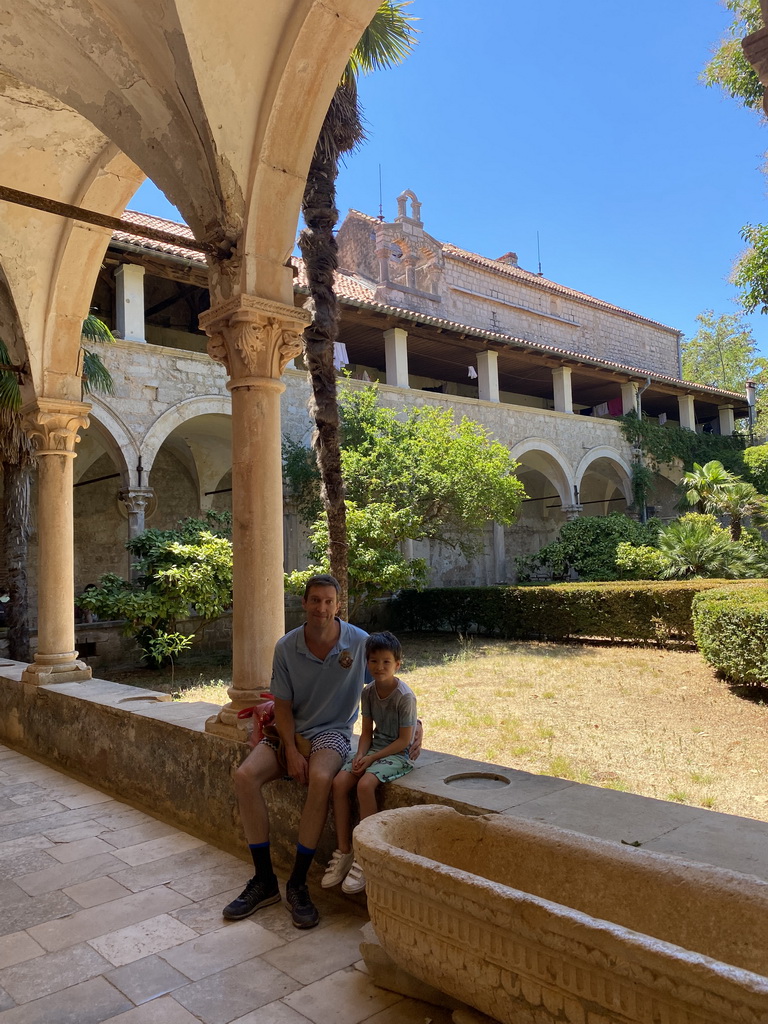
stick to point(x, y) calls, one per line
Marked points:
point(202, 884)
point(61, 875)
point(275, 1013)
point(26, 844)
point(232, 993)
point(161, 1011)
point(89, 799)
point(96, 891)
point(205, 915)
point(91, 1002)
point(146, 979)
point(608, 814)
point(216, 951)
point(80, 848)
point(346, 997)
point(10, 894)
point(122, 817)
point(277, 918)
point(71, 833)
point(319, 953)
point(32, 812)
point(35, 911)
point(50, 973)
point(170, 869)
point(136, 834)
point(24, 863)
point(412, 1011)
point(720, 839)
point(157, 849)
point(137, 941)
point(108, 917)
point(39, 826)
point(18, 947)
point(6, 1003)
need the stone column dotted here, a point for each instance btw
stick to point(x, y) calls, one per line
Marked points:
point(687, 412)
point(396, 354)
point(561, 382)
point(488, 375)
point(629, 397)
point(136, 500)
point(129, 302)
point(53, 426)
point(572, 512)
point(254, 338)
point(725, 415)
point(499, 554)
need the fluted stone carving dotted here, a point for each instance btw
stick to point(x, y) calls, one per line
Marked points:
point(254, 337)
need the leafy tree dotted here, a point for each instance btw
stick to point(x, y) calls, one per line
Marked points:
point(420, 476)
point(180, 572)
point(722, 353)
point(713, 490)
point(702, 483)
point(696, 546)
point(16, 463)
point(386, 42)
point(756, 462)
point(728, 68)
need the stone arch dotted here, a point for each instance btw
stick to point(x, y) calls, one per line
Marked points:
point(545, 458)
point(115, 438)
point(604, 480)
point(176, 416)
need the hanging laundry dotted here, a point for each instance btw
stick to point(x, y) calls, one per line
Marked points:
point(472, 373)
point(662, 418)
point(615, 407)
point(601, 409)
point(340, 357)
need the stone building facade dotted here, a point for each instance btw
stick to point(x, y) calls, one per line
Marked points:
point(544, 368)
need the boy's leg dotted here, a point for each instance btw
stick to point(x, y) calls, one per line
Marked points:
point(343, 785)
point(366, 794)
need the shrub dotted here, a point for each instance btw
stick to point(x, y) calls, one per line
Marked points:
point(623, 610)
point(731, 630)
point(588, 546)
point(641, 563)
point(696, 546)
point(756, 461)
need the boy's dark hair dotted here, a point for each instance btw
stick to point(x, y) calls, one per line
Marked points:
point(322, 580)
point(384, 641)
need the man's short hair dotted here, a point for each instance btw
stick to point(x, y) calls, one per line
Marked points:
point(384, 641)
point(322, 580)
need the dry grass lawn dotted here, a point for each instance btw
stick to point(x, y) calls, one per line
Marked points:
point(644, 720)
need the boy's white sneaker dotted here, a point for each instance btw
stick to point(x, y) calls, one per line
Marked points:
point(355, 880)
point(337, 869)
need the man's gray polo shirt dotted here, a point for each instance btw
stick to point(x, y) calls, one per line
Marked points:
point(324, 694)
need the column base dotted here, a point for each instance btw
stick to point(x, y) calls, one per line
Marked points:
point(226, 723)
point(56, 668)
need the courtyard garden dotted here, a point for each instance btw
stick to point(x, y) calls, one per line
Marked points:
point(642, 719)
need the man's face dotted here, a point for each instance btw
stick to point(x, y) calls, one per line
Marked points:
point(321, 604)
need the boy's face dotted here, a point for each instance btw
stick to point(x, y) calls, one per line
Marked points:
point(382, 665)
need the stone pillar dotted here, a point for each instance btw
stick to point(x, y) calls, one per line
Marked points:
point(382, 255)
point(488, 375)
point(254, 338)
point(629, 397)
point(687, 412)
point(725, 415)
point(572, 512)
point(410, 271)
point(53, 426)
point(499, 554)
point(561, 382)
point(136, 500)
point(396, 354)
point(129, 302)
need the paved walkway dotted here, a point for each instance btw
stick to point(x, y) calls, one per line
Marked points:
point(107, 913)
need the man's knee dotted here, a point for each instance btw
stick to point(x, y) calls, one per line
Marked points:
point(259, 767)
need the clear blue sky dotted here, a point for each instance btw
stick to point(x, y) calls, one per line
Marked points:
point(585, 122)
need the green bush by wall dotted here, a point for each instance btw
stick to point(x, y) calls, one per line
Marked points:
point(730, 627)
point(622, 610)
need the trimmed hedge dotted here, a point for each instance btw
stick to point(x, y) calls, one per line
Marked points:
point(730, 627)
point(646, 610)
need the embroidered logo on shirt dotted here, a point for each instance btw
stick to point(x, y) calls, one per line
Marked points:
point(346, 659)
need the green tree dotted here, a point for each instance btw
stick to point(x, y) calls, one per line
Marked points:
point(180, 572)
point(702, 483)
point(728, 68)
point(715, 491)
point(722, 353)
point(696, 546)
point(418, 476)
point(386, 42)
point(16, 463)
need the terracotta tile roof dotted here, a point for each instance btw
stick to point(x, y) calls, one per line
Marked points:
point(357, 291)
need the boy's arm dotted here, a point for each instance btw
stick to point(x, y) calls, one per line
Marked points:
point(366, 737)
point(397, 746)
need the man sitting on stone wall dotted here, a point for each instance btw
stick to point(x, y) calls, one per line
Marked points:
point(318, 675)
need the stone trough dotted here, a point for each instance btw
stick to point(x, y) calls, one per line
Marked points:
point(527, 922)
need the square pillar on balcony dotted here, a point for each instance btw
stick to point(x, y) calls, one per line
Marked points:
point(687, 412)
point(129, 302)
point(725, 415)
point(628, 397)
point(488, 376)
point(396, 353)
point(561, 383)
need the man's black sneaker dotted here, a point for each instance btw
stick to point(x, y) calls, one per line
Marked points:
point(303, 911)
point(253, 897)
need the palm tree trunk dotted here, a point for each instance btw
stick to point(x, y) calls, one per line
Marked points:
point(319, 250)
point(15, 518)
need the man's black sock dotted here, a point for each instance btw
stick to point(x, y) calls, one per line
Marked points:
point(262, 861)
point(301, 866)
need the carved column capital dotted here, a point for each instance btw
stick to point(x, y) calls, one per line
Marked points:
point(136, 499)
point(254, 337)
point(572, 512)
point(53, 426)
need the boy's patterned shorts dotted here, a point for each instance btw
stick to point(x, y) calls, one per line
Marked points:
point(386, 769)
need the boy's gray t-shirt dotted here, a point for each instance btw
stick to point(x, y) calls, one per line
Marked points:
point(325, 694)
point(390, 715)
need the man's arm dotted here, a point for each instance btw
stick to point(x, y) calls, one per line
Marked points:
point(296, 764)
